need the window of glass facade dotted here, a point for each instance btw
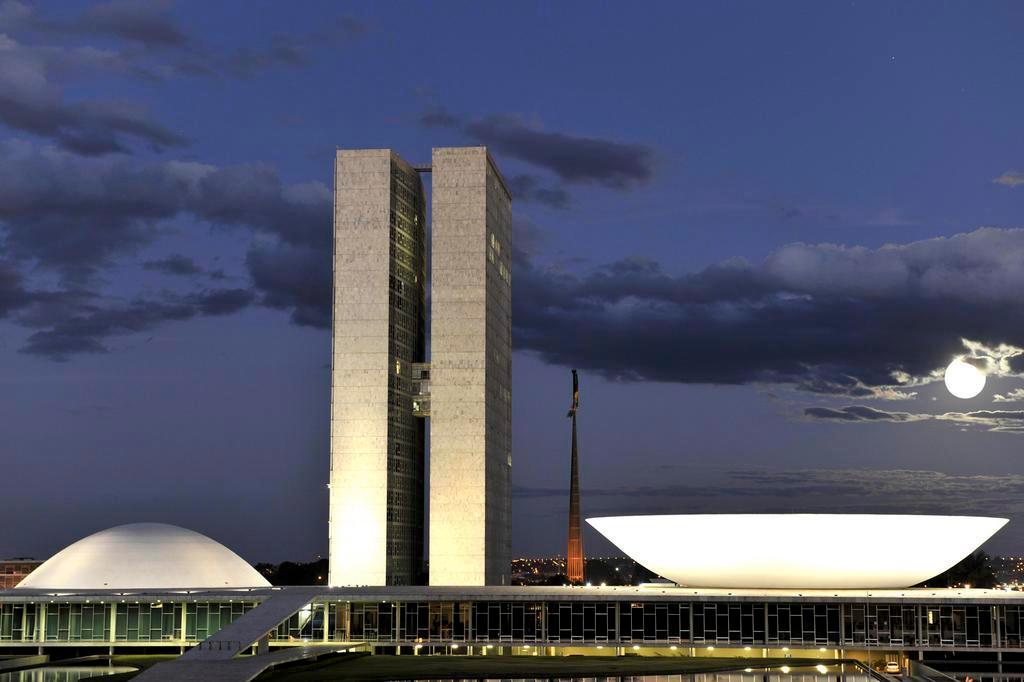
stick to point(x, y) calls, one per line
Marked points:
point(650, 622)
point(204, 619)
point(407, 346)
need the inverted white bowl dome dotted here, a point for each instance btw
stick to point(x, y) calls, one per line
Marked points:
point(143, 555)
point(797, 550)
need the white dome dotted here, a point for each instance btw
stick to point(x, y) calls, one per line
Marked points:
point(143, 555)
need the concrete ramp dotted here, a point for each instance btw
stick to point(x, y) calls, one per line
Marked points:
point(251, 627)
point(241, 669)
point(214, 657)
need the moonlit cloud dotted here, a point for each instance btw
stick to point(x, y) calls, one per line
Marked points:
point(1010, 178)
point(1014, 396)
point(1007, 421)
point(824, 318)
point(860, 413)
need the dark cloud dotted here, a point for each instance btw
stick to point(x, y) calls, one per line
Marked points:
point(290, 50)
point(214, 302)
point(159, 48)
point(574, 159)
point(526, 187)
point(827, 318)
point(436, 117)
point(253, 195)
point(296, 279)
point(89, 328)
point(148, 22)
point(13, 295)
point(32, 101)
point(77, 216)
point(175, 264)
point(14, 14)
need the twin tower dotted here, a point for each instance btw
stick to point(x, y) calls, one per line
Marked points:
point(390, 377)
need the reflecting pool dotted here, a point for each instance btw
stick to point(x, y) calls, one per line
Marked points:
point(62, 673)
point(830, 674)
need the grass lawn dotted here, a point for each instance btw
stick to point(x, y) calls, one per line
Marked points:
point(373, 668)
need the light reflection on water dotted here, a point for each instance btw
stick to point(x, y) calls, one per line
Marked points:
point(692, 677)
point(53, 673)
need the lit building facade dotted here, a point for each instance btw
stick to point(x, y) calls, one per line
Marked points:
point(384, 388)
point(471, 370)
point(377, 444)
point(13, 571)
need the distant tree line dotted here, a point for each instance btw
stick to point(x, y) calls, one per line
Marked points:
point(291, 573)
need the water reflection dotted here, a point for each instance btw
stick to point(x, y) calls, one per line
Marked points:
point(831, 674)
point(53, 673)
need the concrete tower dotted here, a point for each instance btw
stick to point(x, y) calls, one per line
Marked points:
point(377, 444)
point(574, 565)
point(471, 370)
point(383, 389)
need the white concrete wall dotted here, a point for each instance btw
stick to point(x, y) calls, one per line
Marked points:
point(359, 370)
point(470, 424)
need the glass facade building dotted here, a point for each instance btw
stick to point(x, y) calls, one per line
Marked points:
point(936, 624)
point(407, 333)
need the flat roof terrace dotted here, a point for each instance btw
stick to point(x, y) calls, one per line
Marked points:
point(654, 591)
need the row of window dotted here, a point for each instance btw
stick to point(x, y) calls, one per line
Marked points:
point(754, 624)
point(404, 238)
point(131, 622)
point(699, 623)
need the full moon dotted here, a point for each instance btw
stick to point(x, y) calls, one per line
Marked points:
point(964, 380)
